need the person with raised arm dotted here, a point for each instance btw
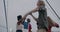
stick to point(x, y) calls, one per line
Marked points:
point(42, 17)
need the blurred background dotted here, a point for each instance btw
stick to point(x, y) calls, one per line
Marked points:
point(10, 9)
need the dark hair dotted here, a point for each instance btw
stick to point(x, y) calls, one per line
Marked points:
point(19, 17)
point(28, 20)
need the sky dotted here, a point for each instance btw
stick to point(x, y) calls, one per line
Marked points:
point(21, 7)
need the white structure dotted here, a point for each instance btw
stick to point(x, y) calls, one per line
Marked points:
point(20, 7)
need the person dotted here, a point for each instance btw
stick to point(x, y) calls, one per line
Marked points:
point(51, 24)
point(25, 26)
point(42, 18)
point(29, 25)
point(19, 23)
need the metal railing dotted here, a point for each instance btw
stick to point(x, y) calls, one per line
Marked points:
point(5, 15)
point(52, 9)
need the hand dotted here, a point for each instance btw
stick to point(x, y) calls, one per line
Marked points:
point(57, 26)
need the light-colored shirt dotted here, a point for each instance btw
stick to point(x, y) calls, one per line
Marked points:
point(20, 27)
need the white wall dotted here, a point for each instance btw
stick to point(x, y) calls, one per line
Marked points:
point(2, 18)
point(21, 7)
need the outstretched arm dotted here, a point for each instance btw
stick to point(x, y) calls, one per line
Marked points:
point(33, 11)
point(52, 23)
